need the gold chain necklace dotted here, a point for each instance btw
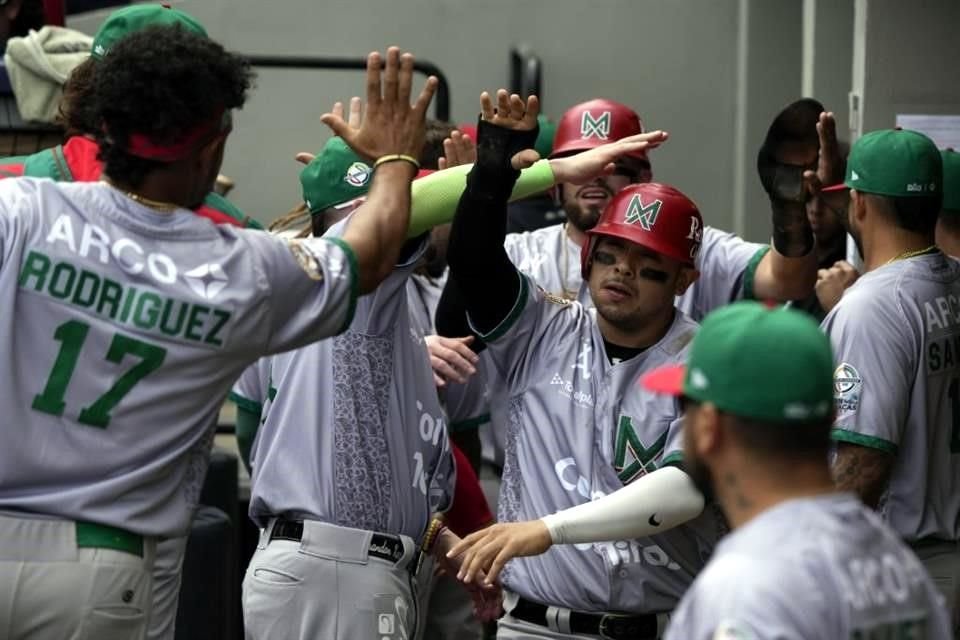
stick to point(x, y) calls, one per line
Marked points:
point(568, 293)
point(912, 254)
point(157, 205)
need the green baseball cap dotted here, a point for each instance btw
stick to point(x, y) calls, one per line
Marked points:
point(754, 361)
point(951, 180)
point(894, 162)
point(136, 17)
point(335, 176)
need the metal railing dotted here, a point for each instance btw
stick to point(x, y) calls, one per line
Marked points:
point(526, 72)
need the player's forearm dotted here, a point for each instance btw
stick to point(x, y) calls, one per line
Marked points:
point(783, 278)
point(478, 261)
point(862, 470)
point(247, 424)
point(435, 197)
point(652, 504)
point(377, 230)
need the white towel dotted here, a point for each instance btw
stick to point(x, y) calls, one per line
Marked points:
point(39, 64)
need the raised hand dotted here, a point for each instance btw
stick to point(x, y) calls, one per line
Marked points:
point(584, 167)
point(510, 112)
point(390, 125)
point(829, 163)
point(485, 552)
point(458, 149)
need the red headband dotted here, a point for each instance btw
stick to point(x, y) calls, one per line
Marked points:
point(141, 146)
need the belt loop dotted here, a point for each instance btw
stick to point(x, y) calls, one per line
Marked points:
point(551, 617)
point(265, 534)
point(663, 619)
point(563, 619)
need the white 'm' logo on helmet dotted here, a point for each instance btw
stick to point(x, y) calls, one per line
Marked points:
point(644, 215)
point(591, 127)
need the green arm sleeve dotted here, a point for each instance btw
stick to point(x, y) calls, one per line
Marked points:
point(247, 423)
point(434, 198)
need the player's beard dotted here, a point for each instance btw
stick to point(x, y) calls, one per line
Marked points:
point(583, 218)
point(700, 474)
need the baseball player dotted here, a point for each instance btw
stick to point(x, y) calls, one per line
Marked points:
point(730, 268)
point(76, 161)
point(895, 334)
point(120, 301)
point(374, 440)
point(577, 431)
point(804, 562)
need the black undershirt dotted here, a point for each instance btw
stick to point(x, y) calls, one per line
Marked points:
point(617, 354)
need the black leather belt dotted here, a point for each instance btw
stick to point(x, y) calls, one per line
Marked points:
point(606, 625)
point(382, 545)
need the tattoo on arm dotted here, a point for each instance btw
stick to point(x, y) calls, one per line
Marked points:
point(792, 235)
point(862, 470)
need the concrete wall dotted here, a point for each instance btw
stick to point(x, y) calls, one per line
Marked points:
point(909, 62)
point(712, 72)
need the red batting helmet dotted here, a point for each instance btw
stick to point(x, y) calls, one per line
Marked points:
point(653, 215)
point(591, 124)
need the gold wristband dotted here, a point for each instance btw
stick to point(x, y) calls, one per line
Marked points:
point(394, 157)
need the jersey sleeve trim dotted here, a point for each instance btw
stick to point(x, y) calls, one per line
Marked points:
point(750, 273)
point(515, 312)
point(470, 423)
point(842, 435)
point(674, 459)
point(354, 280)
point(246, 404)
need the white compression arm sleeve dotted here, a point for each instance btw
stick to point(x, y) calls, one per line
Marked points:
point(652, 504)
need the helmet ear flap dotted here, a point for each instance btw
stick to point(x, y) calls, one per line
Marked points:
point(586, 256)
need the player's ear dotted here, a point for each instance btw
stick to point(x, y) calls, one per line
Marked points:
point(857, 208)
point(708, 436)
point(686, 277)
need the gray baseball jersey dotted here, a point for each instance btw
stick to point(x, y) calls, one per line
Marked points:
point(355, 435)
point(896, 339)
point(727, 267)
point(821, 568)
point(580, 428)
point(466, 405)
point(125, 328)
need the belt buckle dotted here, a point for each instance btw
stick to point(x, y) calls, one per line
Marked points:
point(615, 633)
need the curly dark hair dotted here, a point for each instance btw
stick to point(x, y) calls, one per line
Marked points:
point(76, 114)
point(160, 82)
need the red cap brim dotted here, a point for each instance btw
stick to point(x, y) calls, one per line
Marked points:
point(835, 187)
point(667, 379)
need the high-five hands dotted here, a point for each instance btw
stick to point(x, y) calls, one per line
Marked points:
point(390, 125)
point(484, 553)
point(513, 113)
point(829, 162)
point(487, 597)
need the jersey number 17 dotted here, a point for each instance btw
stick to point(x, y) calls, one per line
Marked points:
point(71, 336)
